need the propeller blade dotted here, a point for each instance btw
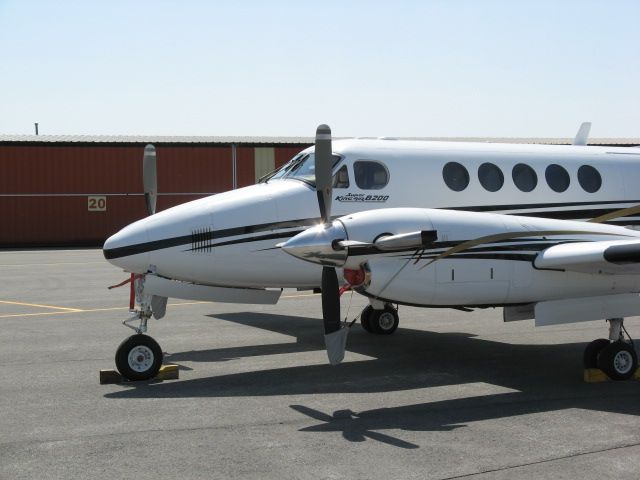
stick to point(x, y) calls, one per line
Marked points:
point(323, 167)
point(330, 300)
point(335, 337)
point(149, 178)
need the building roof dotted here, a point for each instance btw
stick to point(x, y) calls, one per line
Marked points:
point(154, 139)
point(249, 140)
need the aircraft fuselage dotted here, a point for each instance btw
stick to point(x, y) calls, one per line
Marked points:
point(229, 239)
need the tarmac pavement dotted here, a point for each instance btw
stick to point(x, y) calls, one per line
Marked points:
point(449, 395)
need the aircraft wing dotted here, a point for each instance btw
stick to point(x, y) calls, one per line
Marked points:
point(620, 257)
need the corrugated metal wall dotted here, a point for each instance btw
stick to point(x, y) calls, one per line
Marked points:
point(264, 161)
point(44, 189)
point(284, 154)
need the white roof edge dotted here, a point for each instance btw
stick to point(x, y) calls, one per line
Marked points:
point(150, 139)
point(289, 140)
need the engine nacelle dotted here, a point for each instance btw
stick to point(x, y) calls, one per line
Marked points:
point(473, 259)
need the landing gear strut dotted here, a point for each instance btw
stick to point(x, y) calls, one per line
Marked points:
point(139, 357)
point(381, 322)
point(615, 356)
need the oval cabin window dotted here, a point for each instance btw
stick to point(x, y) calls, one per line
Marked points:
point(557, 178)
point(589, 179)
point(491, 177)
point(455, 176)
point(524, 177)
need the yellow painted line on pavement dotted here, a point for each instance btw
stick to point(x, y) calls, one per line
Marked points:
point(37, 305)
point(41, 314)
point(48, 264)
point(65, 310)
point(78, 310)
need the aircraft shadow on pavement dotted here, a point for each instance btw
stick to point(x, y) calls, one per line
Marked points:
point(544, 377)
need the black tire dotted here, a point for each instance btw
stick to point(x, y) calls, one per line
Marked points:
point(590, 357)
point(139, 357)
point(384, 322)
point(365, 318)
point(618, 360)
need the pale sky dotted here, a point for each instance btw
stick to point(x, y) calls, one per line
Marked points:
point(367, 68)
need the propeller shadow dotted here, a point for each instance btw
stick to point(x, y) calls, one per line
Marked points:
point(449, 415)
point(351, 426)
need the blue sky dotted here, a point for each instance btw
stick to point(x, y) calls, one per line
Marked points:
point(403, 68)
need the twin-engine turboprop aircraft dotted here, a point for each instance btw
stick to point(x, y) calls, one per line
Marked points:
point(240, 246)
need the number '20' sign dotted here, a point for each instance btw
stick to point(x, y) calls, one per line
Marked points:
point(97, 203)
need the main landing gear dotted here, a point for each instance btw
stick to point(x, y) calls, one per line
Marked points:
point(615, 356)
point(139, 357)
point(382, 322)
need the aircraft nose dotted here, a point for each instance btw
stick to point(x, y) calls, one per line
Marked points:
point(129, 248)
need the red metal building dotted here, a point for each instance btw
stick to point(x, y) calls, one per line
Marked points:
point(76, 191)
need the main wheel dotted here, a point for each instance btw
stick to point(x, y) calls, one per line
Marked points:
point(365, 318)
point(590, 358)
point(139, 357)
point(618, 360)
point(384, 322)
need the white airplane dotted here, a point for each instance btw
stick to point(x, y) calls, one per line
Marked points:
point(244, 246)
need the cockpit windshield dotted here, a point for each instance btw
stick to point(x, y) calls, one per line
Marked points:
point(301, 167)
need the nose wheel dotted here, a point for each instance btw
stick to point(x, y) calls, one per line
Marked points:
point(381, 322)
point(139, 357)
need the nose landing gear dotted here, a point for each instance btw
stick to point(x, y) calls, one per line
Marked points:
point(615, 356)
point(139, 357)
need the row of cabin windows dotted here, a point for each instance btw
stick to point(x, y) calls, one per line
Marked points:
point(456, 176)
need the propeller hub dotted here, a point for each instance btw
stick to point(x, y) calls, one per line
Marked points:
point(319, 245)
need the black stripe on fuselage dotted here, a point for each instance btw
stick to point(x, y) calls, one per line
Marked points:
point(521, 257)
point(570, 214)
point(214, 235)
point(528, 257)
point(139, 248)
point(534, 244)
point(271, 236)
point(503, 247)
point(529, 206)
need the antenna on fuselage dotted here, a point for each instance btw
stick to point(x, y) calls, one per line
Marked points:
point(583, 134)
